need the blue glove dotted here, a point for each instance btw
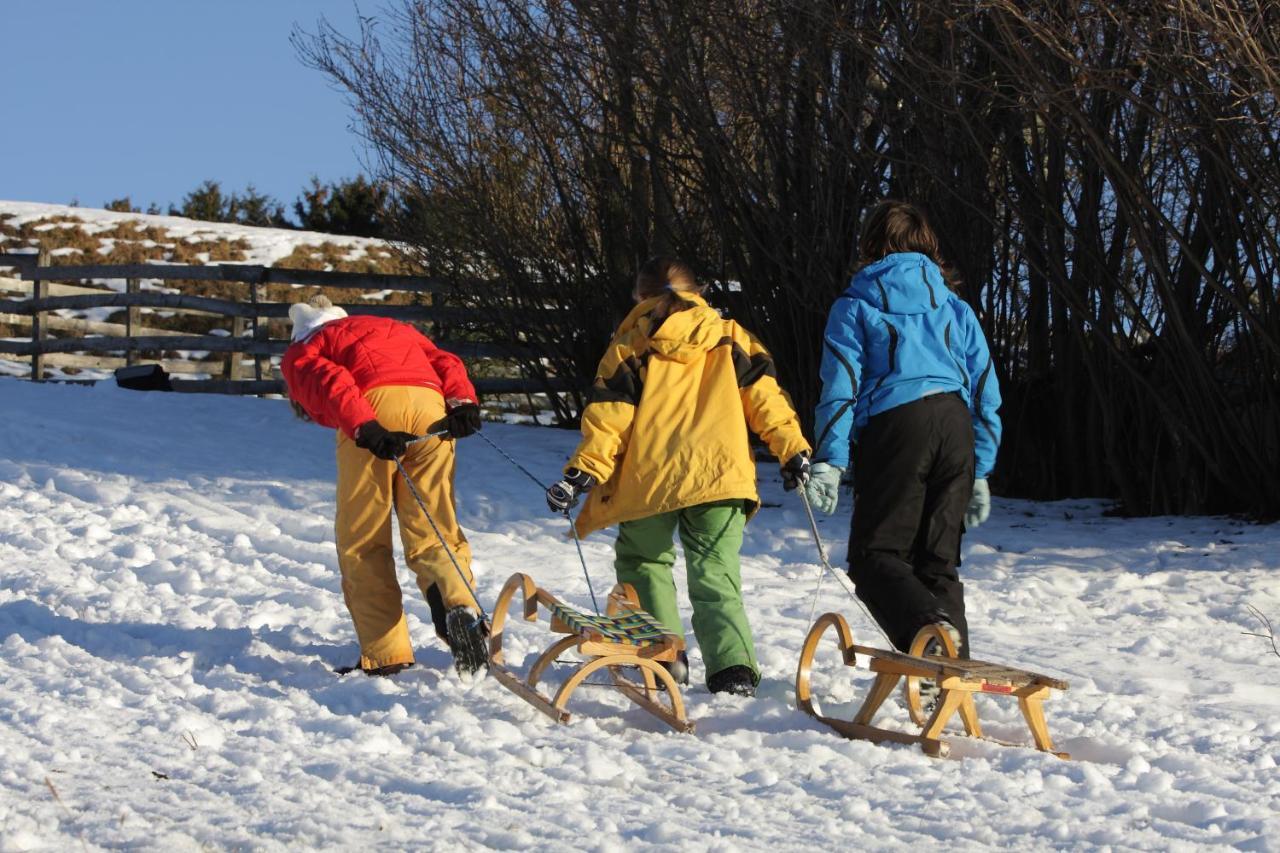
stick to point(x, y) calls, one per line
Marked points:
point(979, 505)
point(823, 488)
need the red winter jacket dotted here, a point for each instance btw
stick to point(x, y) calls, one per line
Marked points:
point(329, 372)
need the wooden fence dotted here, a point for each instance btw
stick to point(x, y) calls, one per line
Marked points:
point(92, 344)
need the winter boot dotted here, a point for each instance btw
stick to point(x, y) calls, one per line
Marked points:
point(930, 692)
point(468, 638)
point(380, 671)
point(679, 669)
point(738, 680)
point(439, 613)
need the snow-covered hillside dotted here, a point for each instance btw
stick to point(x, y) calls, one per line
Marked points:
point(170, 613)
point(86, 236)
point(264, 246)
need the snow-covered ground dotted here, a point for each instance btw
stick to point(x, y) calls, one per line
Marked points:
point(263, 245)
point(102, 233)
point(170, 613)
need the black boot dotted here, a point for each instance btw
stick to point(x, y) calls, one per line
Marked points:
point(468, 638)
point(930, 692)
point(389, 669)
point(738, 680)
point(439, 613)
point(679, 669)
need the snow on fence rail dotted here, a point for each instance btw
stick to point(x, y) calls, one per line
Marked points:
point(85, 343)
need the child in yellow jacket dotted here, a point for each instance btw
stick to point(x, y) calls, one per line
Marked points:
point(665, 446)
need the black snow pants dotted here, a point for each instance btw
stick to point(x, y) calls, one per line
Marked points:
point(913, 478)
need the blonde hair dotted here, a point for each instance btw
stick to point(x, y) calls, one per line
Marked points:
point(668, 278)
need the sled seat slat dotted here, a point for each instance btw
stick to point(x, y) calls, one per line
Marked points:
point(628, 627)
point(962, 668)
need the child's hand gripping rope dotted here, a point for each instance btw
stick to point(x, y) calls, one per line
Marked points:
point(563, 496)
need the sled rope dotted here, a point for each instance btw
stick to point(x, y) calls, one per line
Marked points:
point(512, 460)
point(573, 528)
point(408, 481)
point(845, 583)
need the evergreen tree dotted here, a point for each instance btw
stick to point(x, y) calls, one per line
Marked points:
point(355, 207)
point(206, 203)
point(209, 204)
point(255, 208)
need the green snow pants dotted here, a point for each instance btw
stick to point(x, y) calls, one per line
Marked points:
point(712, 537)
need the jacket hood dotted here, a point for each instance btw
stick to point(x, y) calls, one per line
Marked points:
point(307, 318)
point(901, 283)
point(684, 335)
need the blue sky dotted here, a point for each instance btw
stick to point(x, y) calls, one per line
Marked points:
point(147, 98)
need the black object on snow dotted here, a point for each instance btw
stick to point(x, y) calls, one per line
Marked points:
point(143, 377)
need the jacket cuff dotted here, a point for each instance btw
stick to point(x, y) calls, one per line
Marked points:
point(585, 467)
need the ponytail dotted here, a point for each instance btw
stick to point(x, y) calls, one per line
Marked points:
point(668, 278)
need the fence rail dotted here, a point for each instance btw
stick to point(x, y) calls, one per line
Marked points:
point(96, 344)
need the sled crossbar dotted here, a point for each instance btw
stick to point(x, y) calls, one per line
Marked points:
point(625, 637)
point(958, 680)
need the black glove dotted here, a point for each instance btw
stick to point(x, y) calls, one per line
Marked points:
point(463, 420)
point(796, 472)
point(563, 496)
point(376, 439)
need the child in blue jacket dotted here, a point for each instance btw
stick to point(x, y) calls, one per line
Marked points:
point(909, 398)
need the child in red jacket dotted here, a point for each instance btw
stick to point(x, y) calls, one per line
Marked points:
point(381, 384)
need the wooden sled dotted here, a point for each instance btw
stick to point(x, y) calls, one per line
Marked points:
point(958, 679)
point(625, 636)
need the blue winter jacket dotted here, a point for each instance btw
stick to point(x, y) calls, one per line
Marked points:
point(896, 335)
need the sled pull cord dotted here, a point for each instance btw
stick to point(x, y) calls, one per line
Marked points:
point(840, 576)
point(572, 527)
point(408, 481)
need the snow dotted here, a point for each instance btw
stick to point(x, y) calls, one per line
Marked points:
point(265, 245)
point(262, 246)
point(171, 611)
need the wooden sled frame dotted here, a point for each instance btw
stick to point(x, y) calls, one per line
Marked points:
point(957, 678)
point(600, 653)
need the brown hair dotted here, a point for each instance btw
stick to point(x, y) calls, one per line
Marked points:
point(898, 226)
point(668, 277)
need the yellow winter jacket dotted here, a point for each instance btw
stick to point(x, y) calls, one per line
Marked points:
point(665, 426)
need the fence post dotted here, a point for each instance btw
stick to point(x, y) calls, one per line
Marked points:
point(233, 357)
point(39, 290)
point(259, 331)
point(233, 367)
point(131, 320)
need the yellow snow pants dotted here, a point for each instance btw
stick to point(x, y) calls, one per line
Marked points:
point(368, 489)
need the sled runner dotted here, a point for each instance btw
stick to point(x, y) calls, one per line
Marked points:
point(625, 636)
point(958, 679)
